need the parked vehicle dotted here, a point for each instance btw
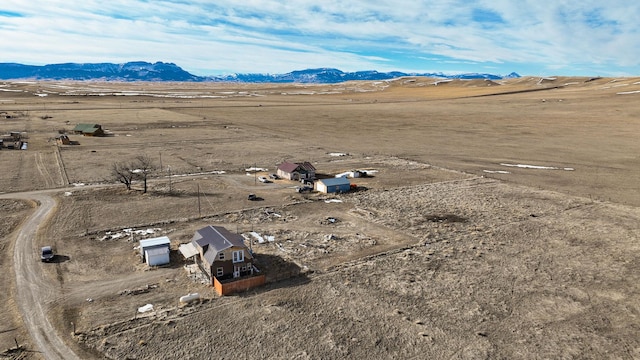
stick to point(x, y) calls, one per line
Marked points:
point(274, 176)
point(46, 254)
point(252, 197)
point(263, 179)
point(302, 189)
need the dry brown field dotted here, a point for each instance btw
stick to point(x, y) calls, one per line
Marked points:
point(501, 219)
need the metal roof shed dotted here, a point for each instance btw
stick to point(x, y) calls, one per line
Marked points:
point(157, 256)
point(333, 185)
point(155, 251)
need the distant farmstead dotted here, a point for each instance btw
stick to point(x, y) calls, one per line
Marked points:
point(13, 140)
point(297, 171)
point(89, 129)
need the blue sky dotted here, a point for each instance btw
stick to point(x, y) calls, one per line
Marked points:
point(207, 37)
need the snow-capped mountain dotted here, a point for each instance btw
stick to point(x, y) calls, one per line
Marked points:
point(330, 75)
point(159, 71)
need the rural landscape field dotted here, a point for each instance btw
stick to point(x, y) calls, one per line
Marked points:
point(499, 219)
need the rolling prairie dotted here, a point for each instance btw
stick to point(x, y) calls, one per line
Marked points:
point(500, 220)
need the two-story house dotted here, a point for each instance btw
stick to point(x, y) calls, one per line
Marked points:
point(297, 171)
point(223, 254)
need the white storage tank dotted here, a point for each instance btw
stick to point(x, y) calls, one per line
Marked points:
point(189, 298)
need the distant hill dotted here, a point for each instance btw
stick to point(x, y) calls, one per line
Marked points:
point(131, 71)
point(159, 71)
point(329, 76)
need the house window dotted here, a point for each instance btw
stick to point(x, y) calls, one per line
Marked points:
point(221, 256)
point(238, 256)
point(220, 272)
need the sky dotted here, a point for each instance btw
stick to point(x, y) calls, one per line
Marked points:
point(216, 37)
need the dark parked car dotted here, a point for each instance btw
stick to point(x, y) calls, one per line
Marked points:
point(46, 254)
point(252, 197)
point(302, 189)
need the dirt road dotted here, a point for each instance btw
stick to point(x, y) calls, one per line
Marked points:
point(33, 289)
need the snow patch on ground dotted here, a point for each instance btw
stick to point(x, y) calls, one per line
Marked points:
point(536, 167)
point(214, 172)
point(369, 172)
point(442, 81)
point(110, 235)
point(262, 239)
point(146, 308)
point(496, 171)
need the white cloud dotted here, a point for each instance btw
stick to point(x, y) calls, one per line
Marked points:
point(274, 36)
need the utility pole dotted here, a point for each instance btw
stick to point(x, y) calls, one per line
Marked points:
point(199, 212)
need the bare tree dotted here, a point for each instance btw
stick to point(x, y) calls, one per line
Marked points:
point(144, 165)
point(123, 173)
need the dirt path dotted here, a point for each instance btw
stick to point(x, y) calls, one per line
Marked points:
point(34, 292)
point(41, 165)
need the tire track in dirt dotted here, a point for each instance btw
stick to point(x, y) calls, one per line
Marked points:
point(61, 167)
point(33, 291)
point(41, 166)
point(101, 288)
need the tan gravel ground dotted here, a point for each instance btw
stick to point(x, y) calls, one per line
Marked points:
point(500, 226)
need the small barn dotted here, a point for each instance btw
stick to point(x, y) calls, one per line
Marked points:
point(89, 129)
point(333, 185)
point(63, 139)
point(155, 251)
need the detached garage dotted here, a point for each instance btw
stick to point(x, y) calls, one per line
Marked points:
point(155, 251)
point(333, 185)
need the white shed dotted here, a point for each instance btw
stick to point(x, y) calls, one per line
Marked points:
point(155, 251)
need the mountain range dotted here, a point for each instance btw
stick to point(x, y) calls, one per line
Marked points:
point(160, 71)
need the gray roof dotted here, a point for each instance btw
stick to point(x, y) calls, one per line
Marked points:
point(335, 181)
point(162, 240)
point(289, 167)
point(214, 239)
point(154, 242)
